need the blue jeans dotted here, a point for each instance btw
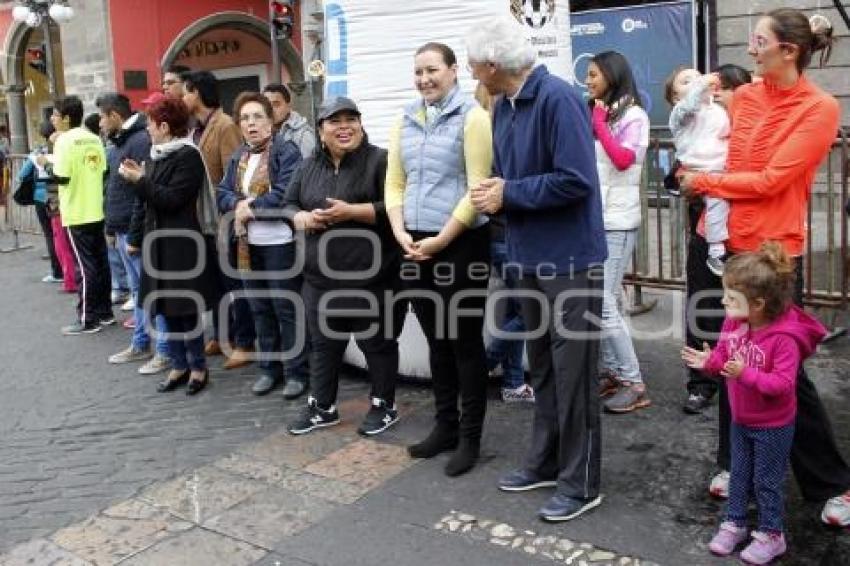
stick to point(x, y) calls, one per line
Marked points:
point(185, 353)
point(507, 352)
point(117, 272)
point(240, 325)
point(133, 266)
point(274, 317)
point(760, 459)
point(617, 353)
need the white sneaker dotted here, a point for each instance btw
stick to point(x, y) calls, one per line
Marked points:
point(50, 279)
point(131, 354)
point(156, 364)
point(719, 486)
point(522, 394)
point(129, 305)
point(836, 512)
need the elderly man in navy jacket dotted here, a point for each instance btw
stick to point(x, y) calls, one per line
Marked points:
point(546, 182)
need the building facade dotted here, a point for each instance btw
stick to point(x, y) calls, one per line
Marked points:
point(123, 45)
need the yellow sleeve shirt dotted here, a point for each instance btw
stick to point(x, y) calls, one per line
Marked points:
point(478, 156)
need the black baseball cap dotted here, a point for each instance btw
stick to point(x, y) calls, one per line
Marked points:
point(335, 105)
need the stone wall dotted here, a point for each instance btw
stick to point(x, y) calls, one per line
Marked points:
point(733, 28)
point(87, 52)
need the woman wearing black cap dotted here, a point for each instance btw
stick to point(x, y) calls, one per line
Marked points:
point(351, 264)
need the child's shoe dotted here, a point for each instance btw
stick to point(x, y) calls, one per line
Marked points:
point(728, 537)
point(716, 265)
point(765, 548)
point(671, 182)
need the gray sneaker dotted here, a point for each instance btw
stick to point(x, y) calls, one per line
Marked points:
point(131, 354)
point(627, 399)
point(157, 364)
point(716, 265)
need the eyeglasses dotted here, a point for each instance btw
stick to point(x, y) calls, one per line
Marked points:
point(761, 43)
point(256, 117)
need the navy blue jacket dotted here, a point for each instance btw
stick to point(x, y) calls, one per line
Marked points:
point(124, 211)
point(284, 158)
point(544, 151)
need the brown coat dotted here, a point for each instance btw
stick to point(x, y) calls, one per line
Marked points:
point(220, 140)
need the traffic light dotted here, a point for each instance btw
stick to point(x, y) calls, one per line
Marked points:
point(36, 59)
point(282, 17)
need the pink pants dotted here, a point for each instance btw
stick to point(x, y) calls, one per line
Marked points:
point(64, 253)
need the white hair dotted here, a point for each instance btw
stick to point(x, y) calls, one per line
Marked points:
point(500, 41)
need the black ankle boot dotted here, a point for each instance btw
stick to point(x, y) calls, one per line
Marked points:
point(441, 439)
point(464, 457)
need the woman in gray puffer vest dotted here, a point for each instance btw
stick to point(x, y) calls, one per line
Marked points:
point(441, 147)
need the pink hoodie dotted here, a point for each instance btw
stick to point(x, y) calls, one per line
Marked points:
point(764, 395)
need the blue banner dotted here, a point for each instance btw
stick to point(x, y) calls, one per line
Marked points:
point(655, 38)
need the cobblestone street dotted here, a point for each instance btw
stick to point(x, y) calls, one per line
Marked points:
point(97, 468)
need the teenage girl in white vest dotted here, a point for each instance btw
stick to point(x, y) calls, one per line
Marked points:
point(621, 128)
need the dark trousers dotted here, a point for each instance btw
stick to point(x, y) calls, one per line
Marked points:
point(326, 351)
point(274, 317)
point(818, 465)
point(185, 352)
point(704, 293)
point(240, 325)
point(91, 272)
point(566, 433)
point(759, 467)
point(455, 337)
point(47, 230)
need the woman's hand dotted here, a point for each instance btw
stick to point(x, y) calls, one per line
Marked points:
point(339, 211)
point(427, 248)
point(686, 182)
point(130, 171)
point(308, 222)
point(696, 359)
point(405, 240)
point(243, 211)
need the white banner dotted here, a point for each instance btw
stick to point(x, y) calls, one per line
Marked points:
point(369, 46)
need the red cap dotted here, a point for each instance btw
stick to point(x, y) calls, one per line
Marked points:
point(153, 98)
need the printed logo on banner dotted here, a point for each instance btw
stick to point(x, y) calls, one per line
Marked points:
point(630, 25)
point(533, 13)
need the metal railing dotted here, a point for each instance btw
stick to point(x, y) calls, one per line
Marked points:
point(659, 259)
point(16, 219)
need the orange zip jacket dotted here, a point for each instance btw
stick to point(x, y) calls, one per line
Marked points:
point(779, 138)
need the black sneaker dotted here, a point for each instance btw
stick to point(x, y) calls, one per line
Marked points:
point(107, 321)
point(696, 403)
point(379, 418)
point(80, 328)
point(312, 417)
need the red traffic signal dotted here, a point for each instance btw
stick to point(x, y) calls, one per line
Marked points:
point(282, 13)
point(36, 59)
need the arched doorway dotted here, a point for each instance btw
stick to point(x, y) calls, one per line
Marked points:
point(235, 47)
point(29, 100)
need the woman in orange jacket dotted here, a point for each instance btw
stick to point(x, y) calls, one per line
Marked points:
point(782, 129)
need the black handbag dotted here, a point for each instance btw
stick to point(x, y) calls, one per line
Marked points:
point(24, 193)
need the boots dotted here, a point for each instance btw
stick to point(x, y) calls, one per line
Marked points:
point(442, 439)
point(464, 458)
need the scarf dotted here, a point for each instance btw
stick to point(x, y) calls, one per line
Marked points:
point(163, 150)
point(259, 183)
point(207, 209)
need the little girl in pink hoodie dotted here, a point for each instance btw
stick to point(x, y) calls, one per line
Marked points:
point(764, 340)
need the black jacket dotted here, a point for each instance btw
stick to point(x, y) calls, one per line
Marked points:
point(124, 211)
point(360, 180)
point(170, 190)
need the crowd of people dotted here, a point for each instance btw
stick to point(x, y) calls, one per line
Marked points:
point(298, 239)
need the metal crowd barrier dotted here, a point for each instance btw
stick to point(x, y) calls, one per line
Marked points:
point(659, 259)
point(16, 219)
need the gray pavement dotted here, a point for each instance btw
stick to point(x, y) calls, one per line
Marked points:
point(97, 468)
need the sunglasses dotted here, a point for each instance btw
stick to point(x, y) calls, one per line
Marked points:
point(761, 43)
